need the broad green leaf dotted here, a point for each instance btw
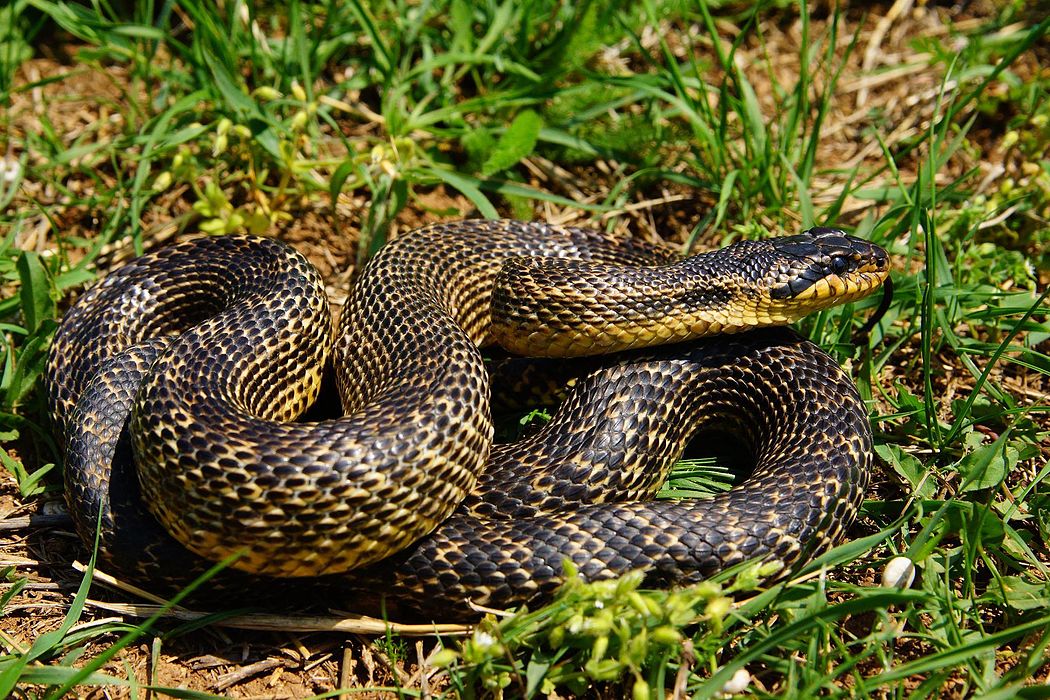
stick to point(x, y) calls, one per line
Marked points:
point(479, 144)
point(535, 672)
point(516, 143)
point(986, 466)
point(20, 378)
point(1025, 595)
point(35, 291)
point(909, 468)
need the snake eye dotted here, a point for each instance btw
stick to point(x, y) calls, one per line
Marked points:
point(839, 264)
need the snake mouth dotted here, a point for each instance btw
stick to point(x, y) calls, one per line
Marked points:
point(837, 289)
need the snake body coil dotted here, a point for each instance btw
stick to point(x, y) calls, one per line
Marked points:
point(176, 382)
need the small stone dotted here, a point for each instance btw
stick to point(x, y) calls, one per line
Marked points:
point(737, 684)
point(10, 169)
point(899, 572)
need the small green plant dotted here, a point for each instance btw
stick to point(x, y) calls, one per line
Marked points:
point(593, 632)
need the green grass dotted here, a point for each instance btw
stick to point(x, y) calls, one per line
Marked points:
point(241, 120)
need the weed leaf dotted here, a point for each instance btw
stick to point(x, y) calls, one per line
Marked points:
point(35, 292)
point(987, 466)
point(516, 143)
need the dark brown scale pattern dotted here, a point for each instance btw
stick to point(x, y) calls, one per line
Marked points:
point(189, 365)
point(102, 488)
point(787, 402)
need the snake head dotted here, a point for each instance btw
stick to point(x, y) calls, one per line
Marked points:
point(822, 267)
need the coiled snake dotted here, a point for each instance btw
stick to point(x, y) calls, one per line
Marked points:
point(176, 383)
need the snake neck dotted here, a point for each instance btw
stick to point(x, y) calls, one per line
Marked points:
point(550, 308)
point(562, 308)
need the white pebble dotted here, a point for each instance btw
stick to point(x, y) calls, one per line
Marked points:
point(737, 684)
point(899, 572)
point(10, 169)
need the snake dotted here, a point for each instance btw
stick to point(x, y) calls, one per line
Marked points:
point(177, 387)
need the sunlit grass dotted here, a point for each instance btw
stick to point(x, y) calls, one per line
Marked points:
point(230, 119)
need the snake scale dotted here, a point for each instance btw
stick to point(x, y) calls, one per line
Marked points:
point(177, 384)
